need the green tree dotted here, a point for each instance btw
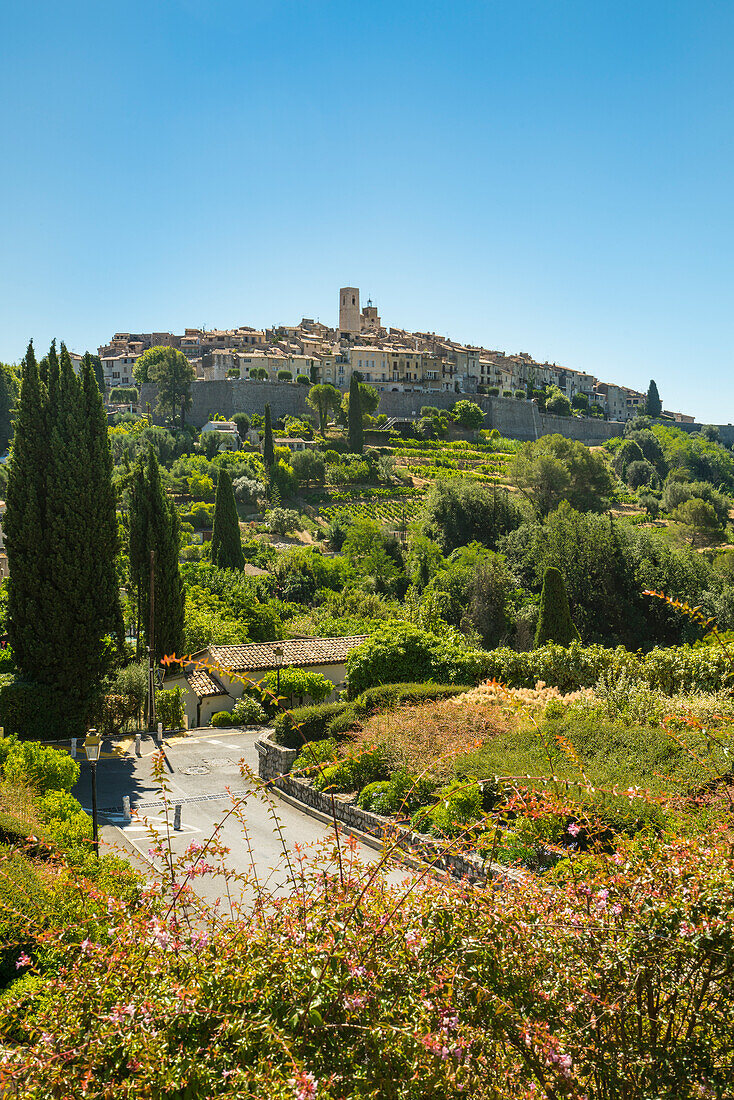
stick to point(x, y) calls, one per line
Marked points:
point(7, 401)
point(226, 545)
point(653, 405)
point(468, 414)
point(61, 532)
point(172, 373)
point(96, 364)
point(699, 522)
point(355, 431)
point(554, 622)
point(324, 399)
point(154, 525)
point(580, 402)
point(554, 469)
point(308, 467)
point(557, 403)
point(242, 421)
point(369, 399)
point(459, 511)
point(268, 447)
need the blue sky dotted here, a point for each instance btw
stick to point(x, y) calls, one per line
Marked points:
point(545, 177)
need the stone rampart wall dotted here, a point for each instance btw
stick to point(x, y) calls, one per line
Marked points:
point(512, 418)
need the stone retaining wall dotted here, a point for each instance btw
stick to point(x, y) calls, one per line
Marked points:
point(274, 764)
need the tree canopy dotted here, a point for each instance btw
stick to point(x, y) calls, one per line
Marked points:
point(555, 469)
point(173, 374)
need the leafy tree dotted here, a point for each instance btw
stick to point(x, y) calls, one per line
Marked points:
point(369, 399)
point(653, 406)
point(629, 451)
point(324, 399)
point(268, 447)
point(96, 363)
point(374, 553)
point(640, 473)
point(580, 401)
point(61, 533)
point(226, 545)
point(355, 432)
point(557, 403)
point(459, 511)
point(554, 622)
point(308, 467)
point(651, 449)
point(242, 421)
point(492, 596)
point(154, 525)
point(173, 374)
point(555, 469)
point(467, 414)
point(699, 522)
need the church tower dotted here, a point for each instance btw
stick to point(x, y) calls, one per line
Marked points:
point(349, 312)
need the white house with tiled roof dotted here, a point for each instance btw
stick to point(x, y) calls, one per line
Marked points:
point(216, 677)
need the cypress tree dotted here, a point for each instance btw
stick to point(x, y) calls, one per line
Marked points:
point(226, 543)
point(355, 430)
point(25, 526)
point(154, 525)
point(554, 623)
point(6, 409)
point(268, 448)
point(653, 404)
point(64, 601)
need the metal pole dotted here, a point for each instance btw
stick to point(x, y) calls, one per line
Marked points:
point(277, 690)
point(95, 829)
point(151, 647)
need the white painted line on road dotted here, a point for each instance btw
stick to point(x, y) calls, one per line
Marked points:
point(216, 742)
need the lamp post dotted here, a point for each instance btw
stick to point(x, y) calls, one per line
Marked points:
point(92, 747)
point(278, 651)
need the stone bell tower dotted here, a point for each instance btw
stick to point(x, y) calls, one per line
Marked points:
point(349, 312)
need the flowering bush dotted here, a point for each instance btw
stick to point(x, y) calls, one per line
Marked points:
point(612, 980)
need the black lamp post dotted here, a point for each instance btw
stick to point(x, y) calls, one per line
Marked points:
point(278, 651)
point(92, 747)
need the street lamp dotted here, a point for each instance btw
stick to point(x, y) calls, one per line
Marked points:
point(92, 747)
point(278, 652)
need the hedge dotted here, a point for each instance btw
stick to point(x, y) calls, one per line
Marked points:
point(336, 719)
point(301, 724)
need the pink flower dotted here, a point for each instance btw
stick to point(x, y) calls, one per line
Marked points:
point(305, 1086)
point(23, 960)
point(85, 947)
point(574, 829)
point(616, 909)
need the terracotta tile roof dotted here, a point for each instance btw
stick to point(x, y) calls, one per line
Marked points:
point(296, 651)
point(203, 683)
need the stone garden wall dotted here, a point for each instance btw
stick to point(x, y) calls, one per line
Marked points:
point(274, 764)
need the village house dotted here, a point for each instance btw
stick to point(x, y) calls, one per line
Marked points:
point(219, 675)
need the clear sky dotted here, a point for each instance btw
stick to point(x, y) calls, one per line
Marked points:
point(533, 176)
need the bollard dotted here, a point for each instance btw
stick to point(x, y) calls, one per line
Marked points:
point(177, 816)
point(186, 722)
point(159, 735)
point(138, 740)
point(73, 748)
point(126, 809)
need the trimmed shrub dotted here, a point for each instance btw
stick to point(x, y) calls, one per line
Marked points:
point(305, 724)
point(459, 806)
point(402, 794)
point(314, 754)
point(387, 696)
point(222, 718)
point(28, 764)
point(248, 712)
point(354, 772)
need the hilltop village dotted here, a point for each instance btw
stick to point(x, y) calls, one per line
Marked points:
point(389, 359)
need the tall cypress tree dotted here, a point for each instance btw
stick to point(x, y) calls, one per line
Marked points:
point(62, 539)
point(355, 430)
point(226, 545)
point(268, 448)
point(154, 525)
point(25, 526)
point(6, 408)
point(653, 404)
point(554, 623)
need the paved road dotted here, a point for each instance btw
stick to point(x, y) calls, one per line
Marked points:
point(199, 768)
